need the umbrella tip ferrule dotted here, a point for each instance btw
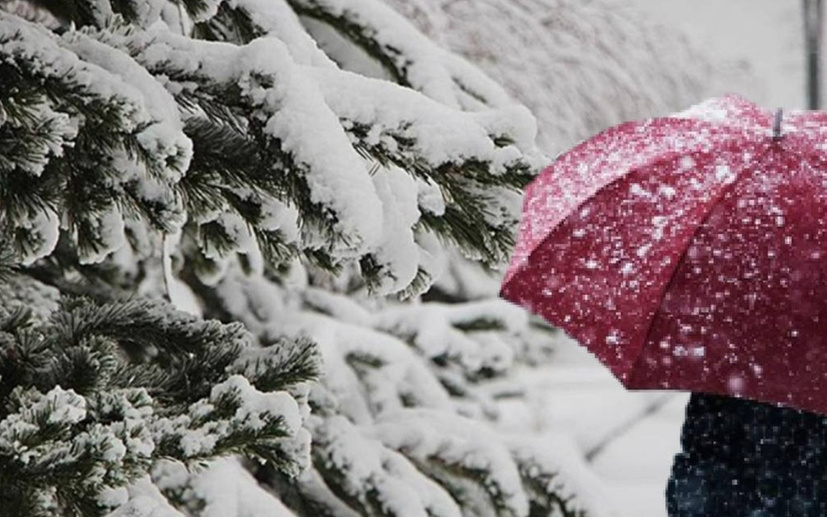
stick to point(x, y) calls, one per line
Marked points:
point(776, 125)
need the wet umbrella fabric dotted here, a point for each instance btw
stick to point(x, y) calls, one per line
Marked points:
point(688, 252)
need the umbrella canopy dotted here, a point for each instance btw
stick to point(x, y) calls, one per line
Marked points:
point(688, 252)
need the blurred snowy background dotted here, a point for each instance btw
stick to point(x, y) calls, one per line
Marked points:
point(582, 67)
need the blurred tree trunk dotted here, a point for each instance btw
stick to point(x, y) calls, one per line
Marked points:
point(813, 11)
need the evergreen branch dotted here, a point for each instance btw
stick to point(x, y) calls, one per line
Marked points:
point(353, 28)
point(280, 365)
point(51, 443)
point(8, 259)
point(80, 12)
point(47, 446)
point(404, 52)
point(75, 146)
point(274, 249)
point(230, 24)
point(62, 270)
point(195, 8)
point(142, 325)
point(232, 152)
point(237, 418)
point(545, 483)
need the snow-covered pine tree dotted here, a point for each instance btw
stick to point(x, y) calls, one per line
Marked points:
point(165, 162)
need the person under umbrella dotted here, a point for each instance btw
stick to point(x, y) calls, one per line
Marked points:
point(687, 253)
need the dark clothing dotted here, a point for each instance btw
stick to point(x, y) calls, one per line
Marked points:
point(743, 458)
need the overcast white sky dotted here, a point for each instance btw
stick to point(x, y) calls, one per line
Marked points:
point(766, 33)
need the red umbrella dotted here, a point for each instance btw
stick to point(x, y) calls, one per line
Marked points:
point(688, 252)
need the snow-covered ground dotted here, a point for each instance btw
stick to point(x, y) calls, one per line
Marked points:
point(636, 433)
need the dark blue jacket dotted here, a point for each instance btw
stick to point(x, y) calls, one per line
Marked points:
point(743, 458)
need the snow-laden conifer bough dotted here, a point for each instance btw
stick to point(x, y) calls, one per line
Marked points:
point(202, 216)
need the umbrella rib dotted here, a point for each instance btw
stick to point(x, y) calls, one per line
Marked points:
point(530, 264)
point(582, 147)
point(590, 197)
point(725, 191)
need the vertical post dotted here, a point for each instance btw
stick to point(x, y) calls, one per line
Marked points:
point(813, 14)
point(776, 125)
